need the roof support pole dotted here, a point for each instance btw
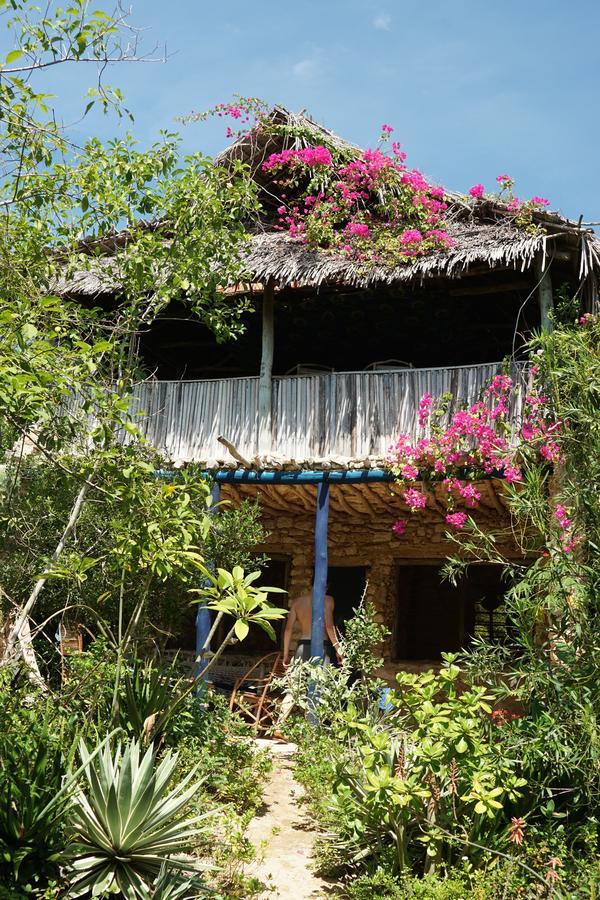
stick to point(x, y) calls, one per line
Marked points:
point(265, 382)
point(545, 292)
point(203, 616)
point(317, 634)
point(317, 631)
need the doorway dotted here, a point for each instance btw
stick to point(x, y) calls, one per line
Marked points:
point(434, 616)
point(347, 586)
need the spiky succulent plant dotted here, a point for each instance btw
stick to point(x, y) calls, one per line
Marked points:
point(127, 827)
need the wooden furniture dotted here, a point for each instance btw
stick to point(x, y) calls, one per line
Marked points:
point(252, 695)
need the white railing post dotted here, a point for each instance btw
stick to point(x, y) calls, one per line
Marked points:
point(265, 383)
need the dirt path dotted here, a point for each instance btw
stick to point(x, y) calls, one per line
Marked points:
point(285, 857)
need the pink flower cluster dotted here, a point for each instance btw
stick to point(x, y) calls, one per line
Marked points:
point(369, 202)
point(424, 410)
point(513, 203)
point(457, 519)
point(310, 156)
point(587, 319)
point(414, 499)
point(477, 439)
point(412, 236)
point(567, 538)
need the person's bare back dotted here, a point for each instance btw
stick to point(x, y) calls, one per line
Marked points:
point(301, 614)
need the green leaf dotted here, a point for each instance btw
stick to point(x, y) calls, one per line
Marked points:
point(241, 629)
point(13, 56)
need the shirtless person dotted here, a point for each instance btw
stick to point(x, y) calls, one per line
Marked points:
point(301, 612)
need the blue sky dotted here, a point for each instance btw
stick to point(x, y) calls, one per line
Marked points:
point(473, 88)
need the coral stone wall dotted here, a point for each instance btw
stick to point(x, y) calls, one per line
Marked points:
point(360, 534)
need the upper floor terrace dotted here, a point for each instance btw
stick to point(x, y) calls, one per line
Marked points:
point(338, 349)
point(334, 419)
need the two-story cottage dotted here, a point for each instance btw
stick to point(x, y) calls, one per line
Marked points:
point(299, 412)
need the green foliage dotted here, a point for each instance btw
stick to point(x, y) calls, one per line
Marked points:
point(337, 689)
point(384, 886)
point(424, 785)
point(233, 594)
point(126, 822)
point(32, 810)
point(362, 635)
point(234, 534)
point(551, 666)
point(147, 707)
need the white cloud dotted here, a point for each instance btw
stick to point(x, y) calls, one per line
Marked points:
point(382, 22)
point(305, 69)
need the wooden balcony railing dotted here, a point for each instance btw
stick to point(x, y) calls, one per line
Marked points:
point(347, 414)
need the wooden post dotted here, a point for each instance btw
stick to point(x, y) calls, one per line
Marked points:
point(317, 634)
point(265, 383)
point(545, 292)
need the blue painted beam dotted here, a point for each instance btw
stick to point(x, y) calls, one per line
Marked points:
point(336, 476)
point(317, 634)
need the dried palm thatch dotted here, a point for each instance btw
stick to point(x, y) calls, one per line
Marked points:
point(484, 232)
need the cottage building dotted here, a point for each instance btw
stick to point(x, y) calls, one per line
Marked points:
point(300, 411)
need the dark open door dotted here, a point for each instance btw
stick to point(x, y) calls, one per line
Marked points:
point(346, 585)
point(434, 616)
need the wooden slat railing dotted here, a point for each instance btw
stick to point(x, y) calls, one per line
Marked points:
point(349, 414)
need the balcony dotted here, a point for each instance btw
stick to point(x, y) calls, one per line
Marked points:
point(352, 415)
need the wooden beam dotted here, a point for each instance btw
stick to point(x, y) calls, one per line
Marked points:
point(265, 383)
point(234, 451)
point(545, 292)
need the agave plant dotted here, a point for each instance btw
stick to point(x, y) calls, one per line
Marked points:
point(125, 825)
point(148, 704)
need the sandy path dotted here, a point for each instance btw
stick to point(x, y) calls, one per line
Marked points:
point(284, 865)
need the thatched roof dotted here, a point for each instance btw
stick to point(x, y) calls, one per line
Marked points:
point(484, 232)
point(289, 261)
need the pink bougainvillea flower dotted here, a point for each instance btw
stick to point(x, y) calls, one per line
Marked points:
point(409, 472)
point(539, 201)
point(502, 178)
point(562, 517)
point(414, 499)
point(514, 204)
point(457, 520)
point(470, 494)
point(512, 474)
point(411, 236)
point(399, 527)
point(358, 228)
point(387, 128)
point(477, 190)
point(425, 409)
point(315, 156)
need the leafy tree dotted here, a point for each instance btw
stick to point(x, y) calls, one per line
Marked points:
point(162, 227)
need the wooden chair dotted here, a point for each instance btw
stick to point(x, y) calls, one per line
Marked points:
point(251, 696)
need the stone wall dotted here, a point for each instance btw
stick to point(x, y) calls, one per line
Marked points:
point(360, 534)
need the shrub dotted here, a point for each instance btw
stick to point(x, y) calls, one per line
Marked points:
point(126, 823)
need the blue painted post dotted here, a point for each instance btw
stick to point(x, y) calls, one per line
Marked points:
point(317, 632)
point(317, 635)
point(203, 616)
